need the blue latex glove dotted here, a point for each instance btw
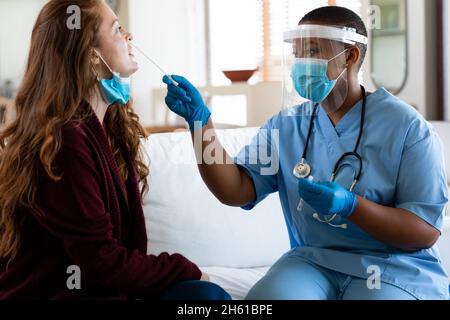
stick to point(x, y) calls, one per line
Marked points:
point(327, 198)
point(186, 101)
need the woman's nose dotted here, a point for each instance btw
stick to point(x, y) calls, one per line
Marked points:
point(128, 35)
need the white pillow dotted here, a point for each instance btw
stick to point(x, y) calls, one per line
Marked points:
point(237, 282)
point(183, 216)
point(443, 131)
point(444, 245)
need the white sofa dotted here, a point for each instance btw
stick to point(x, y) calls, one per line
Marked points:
point(443, 130)
point(233, 246)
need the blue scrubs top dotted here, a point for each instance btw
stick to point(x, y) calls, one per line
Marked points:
point(403, 167)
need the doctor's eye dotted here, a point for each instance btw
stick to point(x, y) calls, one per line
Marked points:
point(310, 52)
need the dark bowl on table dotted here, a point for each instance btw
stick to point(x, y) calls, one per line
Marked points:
point(239, 75)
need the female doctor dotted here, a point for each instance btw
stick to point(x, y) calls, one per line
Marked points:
point(360, 176)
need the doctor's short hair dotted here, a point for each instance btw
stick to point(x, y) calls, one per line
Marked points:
point(339, 16)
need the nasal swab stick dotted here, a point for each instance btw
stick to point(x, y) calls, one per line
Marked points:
point(154, 63)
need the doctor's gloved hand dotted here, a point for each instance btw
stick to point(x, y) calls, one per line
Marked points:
point(186, 101)
point(327, 198)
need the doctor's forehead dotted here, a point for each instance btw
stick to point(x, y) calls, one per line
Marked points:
point(319, 44)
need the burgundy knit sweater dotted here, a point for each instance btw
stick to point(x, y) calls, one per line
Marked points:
point(87, 222)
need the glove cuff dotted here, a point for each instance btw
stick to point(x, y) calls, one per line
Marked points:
point(351, 205)
point(200, 119)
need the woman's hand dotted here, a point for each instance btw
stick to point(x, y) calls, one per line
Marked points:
point(186, 101)
point(327, 198)
point(204, 277)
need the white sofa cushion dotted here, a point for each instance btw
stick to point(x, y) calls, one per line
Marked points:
point(183, 216)
point(444, 245)
point(237, 282)
point(443, 130)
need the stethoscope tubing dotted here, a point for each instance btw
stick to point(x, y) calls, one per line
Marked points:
point(338, 163)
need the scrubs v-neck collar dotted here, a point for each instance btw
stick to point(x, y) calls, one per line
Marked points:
point(347, 125)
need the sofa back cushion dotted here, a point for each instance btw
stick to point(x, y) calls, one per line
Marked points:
point(183, 216)
point(444, 246)
point(443, 130)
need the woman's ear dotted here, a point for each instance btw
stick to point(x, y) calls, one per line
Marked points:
point(95, 62)
point(95, 59)
point(353, 57)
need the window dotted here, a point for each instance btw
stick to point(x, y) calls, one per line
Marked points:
point(389, 46)
point(249, 33)
point(235, 36)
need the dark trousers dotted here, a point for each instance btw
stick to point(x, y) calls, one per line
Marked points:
point(194, 290)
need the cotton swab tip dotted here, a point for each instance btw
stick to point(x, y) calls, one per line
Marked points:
point(173, 81)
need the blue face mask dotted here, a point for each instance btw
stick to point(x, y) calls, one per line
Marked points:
point(115, 90)
point(310, 78)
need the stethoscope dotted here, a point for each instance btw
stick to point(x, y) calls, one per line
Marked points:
point(302, 169)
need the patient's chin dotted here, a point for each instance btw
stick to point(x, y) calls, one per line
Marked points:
point(132, 68)
point(135, 67)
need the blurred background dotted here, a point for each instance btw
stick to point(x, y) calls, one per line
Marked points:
point(200, 39)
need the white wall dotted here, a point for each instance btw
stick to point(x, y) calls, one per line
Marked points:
point(17, 18)
point(172, 33)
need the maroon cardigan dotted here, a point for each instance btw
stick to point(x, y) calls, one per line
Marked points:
point(88, 222)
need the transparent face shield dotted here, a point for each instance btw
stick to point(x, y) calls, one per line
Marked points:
point(315, 67)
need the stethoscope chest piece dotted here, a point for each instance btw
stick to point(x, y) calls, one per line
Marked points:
point(302, 170)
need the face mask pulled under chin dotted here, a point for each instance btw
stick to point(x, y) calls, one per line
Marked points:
point(116, 90)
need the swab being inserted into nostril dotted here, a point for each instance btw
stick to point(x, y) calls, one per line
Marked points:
point(154, 63)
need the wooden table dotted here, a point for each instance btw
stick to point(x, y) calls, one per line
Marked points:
point(164, 129)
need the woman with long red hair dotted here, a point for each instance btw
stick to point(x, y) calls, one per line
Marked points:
point(71, 167)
